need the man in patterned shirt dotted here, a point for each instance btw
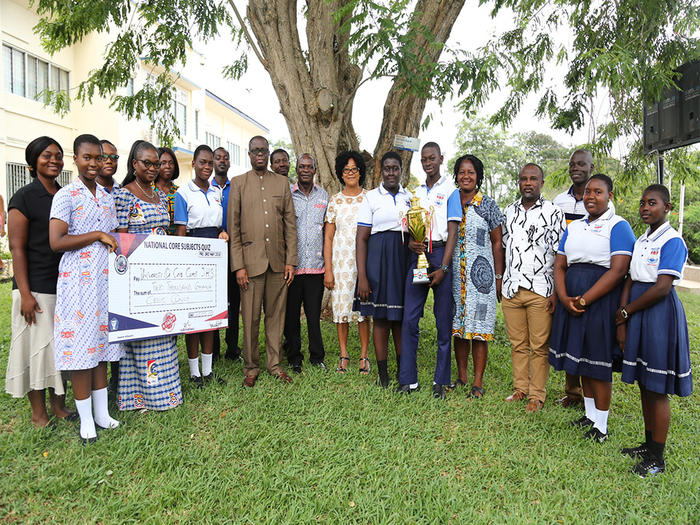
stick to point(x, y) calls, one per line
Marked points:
point(310, 204)
point(531, 232)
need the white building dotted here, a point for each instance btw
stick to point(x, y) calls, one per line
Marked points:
point(203, 116)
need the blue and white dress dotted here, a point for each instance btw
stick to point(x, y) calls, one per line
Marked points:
point(474, 275)
point(657, 349)
point(149, 374)
point(80, 321)
point(586, 345)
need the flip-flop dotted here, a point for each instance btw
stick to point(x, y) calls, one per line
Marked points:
point(365, 369)
point(476, 390)
point(341, 369)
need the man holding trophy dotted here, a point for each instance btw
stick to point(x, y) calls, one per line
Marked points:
point(433, 235)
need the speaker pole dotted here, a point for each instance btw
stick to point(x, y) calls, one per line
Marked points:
point(660, 166)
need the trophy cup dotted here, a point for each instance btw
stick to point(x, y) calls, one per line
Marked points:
point(418, 221)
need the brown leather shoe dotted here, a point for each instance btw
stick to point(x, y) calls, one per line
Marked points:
point(284, 377)
point(568, 401)
point(249, 381)
point(515, 396)
point(534, 405)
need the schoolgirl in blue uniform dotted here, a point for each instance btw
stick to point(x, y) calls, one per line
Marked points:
point(592, 260)
point(652, 328)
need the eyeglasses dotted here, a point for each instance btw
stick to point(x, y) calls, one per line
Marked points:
point(148, 164)
point(350, 171)
point(259, 151)
point(111, 157)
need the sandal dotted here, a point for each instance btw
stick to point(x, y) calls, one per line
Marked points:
point(476, 390)
point(364, 370)
point(340, 368)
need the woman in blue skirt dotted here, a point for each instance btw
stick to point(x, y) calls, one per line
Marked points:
point(652, 328)
point(592, 260)
point(382, 260)
point(199, 213)
point(149, 374)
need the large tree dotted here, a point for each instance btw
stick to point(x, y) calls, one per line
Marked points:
point(625, 48)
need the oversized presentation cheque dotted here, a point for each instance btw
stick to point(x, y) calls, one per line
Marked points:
point(162, 285)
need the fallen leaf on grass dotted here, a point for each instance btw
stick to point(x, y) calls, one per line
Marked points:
point(45, 453)
point(352, 504)
point(223, 414)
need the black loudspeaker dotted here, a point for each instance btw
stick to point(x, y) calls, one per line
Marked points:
point(674, 121)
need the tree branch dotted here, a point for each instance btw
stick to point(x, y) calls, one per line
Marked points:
point(247, 34)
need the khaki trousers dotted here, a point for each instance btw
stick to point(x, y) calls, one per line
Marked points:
point(269, 292)
point(529, 325)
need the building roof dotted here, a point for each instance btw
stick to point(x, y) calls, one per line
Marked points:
point(228, 106)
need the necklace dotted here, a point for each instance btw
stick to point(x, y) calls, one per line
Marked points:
point(151, 196)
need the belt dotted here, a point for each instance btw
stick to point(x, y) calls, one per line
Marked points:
point(436, 244)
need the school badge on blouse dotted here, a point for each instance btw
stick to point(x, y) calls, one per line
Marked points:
point(419, 224)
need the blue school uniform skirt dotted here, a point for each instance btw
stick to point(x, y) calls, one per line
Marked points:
point(387, 264)
point(657, 350)
point(586, 345)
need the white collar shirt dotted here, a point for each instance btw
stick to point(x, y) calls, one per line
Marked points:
point(383, 211)
point(435, 199)
point(573, 208)
point(531, 237)
point(195, 208)
point(662, 253)
point(596, 242)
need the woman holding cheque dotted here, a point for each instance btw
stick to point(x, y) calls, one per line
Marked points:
point(82, 214)
point(149, 376)
point(198, 213)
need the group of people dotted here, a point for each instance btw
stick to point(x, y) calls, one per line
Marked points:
point(578, 291)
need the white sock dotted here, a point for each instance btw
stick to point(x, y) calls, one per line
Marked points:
point(206, 364)
point(87, 423)
point(194, 367)
point(601, 420)
point(589, 405)
point(99, 407)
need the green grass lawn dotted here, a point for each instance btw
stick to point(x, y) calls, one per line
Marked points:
point(337, 449)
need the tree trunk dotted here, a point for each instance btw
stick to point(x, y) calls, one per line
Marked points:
point(403, 109)
point(315, 89)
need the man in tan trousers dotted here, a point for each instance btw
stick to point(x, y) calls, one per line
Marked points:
point(532, 229)
point(263, 242)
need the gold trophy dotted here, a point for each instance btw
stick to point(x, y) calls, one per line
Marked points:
point(417, 222)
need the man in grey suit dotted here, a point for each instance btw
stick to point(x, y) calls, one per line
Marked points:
point(263, 243)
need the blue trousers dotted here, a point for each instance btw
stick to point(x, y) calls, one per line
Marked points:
point(443, 308)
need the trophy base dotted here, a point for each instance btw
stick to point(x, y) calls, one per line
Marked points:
point(420, 276)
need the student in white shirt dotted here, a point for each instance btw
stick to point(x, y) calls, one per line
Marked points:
point(592, 261)
point(198, 213)
point(382, 260)
point(652, 328)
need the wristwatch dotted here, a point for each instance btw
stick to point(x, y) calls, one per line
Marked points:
point(445, 268)
point(582, 301)
point(499, 276)
point(623, 313)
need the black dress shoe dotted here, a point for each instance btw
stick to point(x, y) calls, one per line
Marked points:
point(438, 391)
point(233, 354)
point(212, 378)
point(406, 389)
point(197, 381)
point(296, 368)
point(320, 365)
